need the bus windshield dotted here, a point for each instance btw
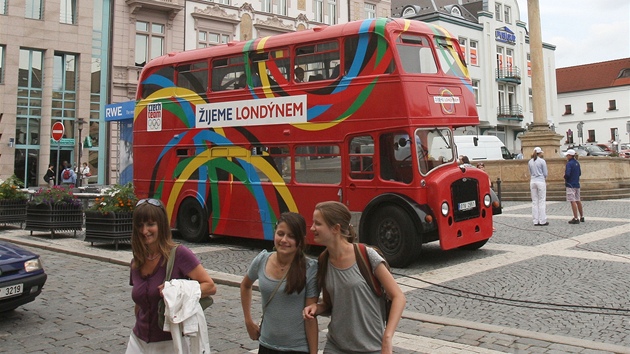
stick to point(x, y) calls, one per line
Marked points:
point(434, 148)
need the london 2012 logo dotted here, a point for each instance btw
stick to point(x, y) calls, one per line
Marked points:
point(154, 117)
point(447, 100)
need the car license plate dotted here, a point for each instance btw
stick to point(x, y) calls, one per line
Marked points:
point(11, 290)
point(467, 205)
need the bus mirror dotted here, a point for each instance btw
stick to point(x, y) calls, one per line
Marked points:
point(402, 142)
point(475, 140)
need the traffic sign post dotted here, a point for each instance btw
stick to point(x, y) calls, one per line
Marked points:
point(58, 130)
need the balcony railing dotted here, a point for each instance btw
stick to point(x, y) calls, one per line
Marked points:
point(509, 74)
point(512, 112)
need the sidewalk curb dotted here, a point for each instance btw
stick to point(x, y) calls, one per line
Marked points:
point(235, 280)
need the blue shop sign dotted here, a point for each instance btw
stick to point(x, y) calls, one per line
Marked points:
point(505, 35)
point(119, 111)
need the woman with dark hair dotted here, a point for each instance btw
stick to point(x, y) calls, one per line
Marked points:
point(287, 281)
point(357, 322)
point(151, 243)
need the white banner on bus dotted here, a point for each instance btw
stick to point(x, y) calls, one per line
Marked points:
point(264, 111)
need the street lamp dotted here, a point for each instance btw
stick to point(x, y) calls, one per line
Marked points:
point(80, 123)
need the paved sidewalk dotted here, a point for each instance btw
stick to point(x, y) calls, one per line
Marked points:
point(417, 333)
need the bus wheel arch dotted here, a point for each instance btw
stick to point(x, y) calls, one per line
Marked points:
point(192, 220)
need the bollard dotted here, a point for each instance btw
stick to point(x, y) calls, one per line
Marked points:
point(499, 189)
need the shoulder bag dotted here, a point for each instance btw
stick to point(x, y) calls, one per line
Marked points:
point(205, 302)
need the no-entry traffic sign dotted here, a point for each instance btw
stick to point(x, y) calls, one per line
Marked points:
point(57, 131)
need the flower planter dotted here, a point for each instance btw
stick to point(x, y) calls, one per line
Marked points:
point(111, 227)
point(13, 211)
point(55, 217)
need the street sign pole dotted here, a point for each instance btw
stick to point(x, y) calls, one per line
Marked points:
point(57, 165)
point(58, 129)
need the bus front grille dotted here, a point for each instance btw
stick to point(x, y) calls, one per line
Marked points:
point(465, 198)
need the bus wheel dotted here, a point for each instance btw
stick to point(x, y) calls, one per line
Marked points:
point(474, 246)
point(392, 231)
point(192, 221)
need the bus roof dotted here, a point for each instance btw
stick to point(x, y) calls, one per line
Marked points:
point(303, 37)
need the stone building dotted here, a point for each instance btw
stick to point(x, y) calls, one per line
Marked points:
point(597, 96)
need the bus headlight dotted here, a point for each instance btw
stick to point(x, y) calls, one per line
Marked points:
point(487, 200)
point(445, 208)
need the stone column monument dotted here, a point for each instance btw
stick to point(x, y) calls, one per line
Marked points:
point(539, 133)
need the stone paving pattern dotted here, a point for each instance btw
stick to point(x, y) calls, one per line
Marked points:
point(529, 290)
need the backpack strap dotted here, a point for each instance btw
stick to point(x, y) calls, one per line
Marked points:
point(365, 267)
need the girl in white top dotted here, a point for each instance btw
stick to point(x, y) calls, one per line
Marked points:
point(356, 322)
point(85, 174)
point(538, 187)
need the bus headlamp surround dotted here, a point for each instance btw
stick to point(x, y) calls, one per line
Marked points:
point(445, 208)
point(487, 200)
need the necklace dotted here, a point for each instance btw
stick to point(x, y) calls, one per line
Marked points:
point(153, 256)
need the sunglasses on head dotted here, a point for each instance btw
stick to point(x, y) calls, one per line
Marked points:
point(151, 201)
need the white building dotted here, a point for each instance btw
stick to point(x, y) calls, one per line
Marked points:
point(496, 45)
point(598, 96)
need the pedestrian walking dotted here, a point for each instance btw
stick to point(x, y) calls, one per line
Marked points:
point(572, 173)
point(357, 320)
point(49, 177)
point(68, 176)
point(538, 187)
point(288, 282)
point(151, 243)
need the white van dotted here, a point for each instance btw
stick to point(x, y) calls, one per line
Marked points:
point(481, 147)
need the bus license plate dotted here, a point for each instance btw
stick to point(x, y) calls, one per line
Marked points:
point(467, 205)
point(11, 290)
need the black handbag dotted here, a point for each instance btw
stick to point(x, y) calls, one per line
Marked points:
point(205, 302)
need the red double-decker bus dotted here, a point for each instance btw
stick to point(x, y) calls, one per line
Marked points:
point(229, 137)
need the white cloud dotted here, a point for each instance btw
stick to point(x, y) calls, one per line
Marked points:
point(584, 31)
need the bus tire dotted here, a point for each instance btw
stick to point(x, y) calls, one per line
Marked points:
point(192, 221)
point(393, 232)
point(474, 246)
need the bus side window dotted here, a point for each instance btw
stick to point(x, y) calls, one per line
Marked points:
point(227, 73)
point(270, 68)
point(395, 166)
point(193, 77)
point(166, 73)
point(356, 61)
point(362, 157)
point(318, 60)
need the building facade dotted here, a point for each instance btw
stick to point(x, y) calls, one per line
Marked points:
point(496, 46)
point(594, 98)
point(51, 55)
point(65, 60)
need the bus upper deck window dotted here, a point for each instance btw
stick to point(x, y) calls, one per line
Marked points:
point(451, 60)
point(416, 54)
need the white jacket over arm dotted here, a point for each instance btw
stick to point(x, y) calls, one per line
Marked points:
point(184, 315)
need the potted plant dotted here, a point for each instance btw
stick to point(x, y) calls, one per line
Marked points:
point(54, 209)
point(109, 219)
point(12, 201)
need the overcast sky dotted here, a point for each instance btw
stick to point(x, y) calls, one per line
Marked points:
point(584, 31)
